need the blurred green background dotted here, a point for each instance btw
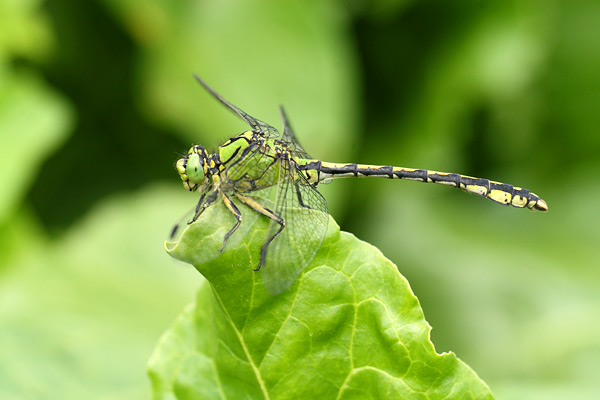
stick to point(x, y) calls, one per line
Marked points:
point(97, 101)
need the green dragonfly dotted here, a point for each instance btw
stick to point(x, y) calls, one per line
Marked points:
point(273, 175)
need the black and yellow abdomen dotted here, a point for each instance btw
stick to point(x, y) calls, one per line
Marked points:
point(498, 192)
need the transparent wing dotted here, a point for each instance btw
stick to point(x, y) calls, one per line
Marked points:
point(304, 210)
point(289, 137)
point(260, 159)
point(255, 168)
point(257, 125)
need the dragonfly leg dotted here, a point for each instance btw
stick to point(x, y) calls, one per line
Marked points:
point(203, 204)
point(238, 215)
point(299, 196)
point(256, 206)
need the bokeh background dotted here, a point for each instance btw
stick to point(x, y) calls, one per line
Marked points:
point(97, 101)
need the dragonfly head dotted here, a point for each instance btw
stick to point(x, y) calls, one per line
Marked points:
point(193, 168)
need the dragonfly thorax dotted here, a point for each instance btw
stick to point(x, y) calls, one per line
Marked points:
point(193, 168)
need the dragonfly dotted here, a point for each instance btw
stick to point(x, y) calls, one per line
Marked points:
point(273, 175)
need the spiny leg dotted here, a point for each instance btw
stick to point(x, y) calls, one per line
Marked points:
point(183, 219)
point(199, 209)
point(204, 204)
point(256, 206)
point(238, 215)
point(299, 196)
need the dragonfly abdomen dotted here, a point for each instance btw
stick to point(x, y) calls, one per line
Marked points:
point(498, 192)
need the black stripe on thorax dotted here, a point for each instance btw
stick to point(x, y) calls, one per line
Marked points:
point(237, 150)
point(235, 139)
point(253, 147)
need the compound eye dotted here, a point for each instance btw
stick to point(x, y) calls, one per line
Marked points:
point(195, 168)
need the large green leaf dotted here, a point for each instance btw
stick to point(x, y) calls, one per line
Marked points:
point(34, 121)
point(350, 327)
point(80, 313)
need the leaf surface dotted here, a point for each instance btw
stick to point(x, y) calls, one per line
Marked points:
point(349, 327)
point(34, 121)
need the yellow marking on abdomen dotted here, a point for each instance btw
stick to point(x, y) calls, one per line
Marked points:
point(499, 196)
point(476, 189)
point(519, 201)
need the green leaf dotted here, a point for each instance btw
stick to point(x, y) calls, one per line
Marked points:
point(34, 121)
point(80, 312)
point(212, 38)
point(349, 327)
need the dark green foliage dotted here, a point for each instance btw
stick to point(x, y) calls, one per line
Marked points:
point(97, 101)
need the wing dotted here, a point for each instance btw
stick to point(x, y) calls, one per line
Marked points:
point(255, 124)
point(255, 167)
point(290, 138)
point(304, 210)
